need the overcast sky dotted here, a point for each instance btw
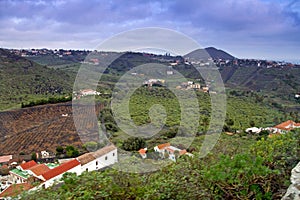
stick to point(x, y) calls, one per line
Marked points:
point(268, 29)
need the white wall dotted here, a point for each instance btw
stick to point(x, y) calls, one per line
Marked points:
point(103, 161)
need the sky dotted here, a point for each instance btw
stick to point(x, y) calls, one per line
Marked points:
point(264, 29)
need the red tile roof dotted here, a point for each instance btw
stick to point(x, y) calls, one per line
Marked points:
point(162, 146)
point(61, 169)
point(288, 125)
point(15, 189)
point(39, 169)
point(27, 165)
point(142, 151)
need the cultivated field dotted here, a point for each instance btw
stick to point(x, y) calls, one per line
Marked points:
point(44, 128)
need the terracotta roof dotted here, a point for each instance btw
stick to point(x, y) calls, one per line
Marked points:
point(27, 165)
point(288, 125)
point(39, 169)
point(162, 146)
point(103, 151)
point(61, 169)
point(15, 189)
point(142, 151)
point(4, 159)
point(86, 158)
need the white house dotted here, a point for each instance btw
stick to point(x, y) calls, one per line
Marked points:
point(286, 126)
point(253, 130)
point(170, 72)
point(171, 151)
point(99, 159)
point(55, 174)
point(88, 92)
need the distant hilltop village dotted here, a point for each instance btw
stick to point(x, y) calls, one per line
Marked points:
point(220, 59)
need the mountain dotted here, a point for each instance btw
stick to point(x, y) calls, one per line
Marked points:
point(23, 80)
point(209, 52)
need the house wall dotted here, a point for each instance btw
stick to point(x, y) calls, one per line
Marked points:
point(14, 178)
point(103, 161)
point(50, 182)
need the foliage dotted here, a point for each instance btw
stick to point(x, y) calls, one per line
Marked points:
point(33, 156)
point(59, 150)
point(50, 100)
point(134, 144)
point(254, 173)
point(71, 152)
point(281, 152)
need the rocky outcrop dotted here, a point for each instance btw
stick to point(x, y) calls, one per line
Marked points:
point(293, 192)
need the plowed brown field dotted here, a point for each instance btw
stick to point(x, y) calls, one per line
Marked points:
point(44, 127)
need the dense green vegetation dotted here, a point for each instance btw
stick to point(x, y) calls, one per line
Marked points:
point(46, 101)
point(228, 172)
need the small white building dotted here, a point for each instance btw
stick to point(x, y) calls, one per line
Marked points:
point(171, 151)
point(99, 159)
point(170, 72)
point(253, 130)
point(89, 92)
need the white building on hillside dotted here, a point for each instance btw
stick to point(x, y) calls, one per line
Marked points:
point(99, 159)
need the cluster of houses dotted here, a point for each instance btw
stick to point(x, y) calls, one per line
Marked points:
point(152, 82)
point(84, 93)
point(166, 150)
point(191, 85)
point(42, 52)
point(45, 175)
point(282, 128)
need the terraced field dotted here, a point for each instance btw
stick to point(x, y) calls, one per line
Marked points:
point(44, 128)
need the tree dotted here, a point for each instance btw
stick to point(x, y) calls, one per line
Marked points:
point(71, 151)
point(134, 144)
point(59, 150)
point(33, 156)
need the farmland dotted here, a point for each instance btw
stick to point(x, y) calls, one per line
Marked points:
point(43, 128)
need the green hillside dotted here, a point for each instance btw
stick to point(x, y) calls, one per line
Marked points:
point(22, 80)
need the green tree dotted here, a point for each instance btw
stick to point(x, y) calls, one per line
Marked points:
point(134, 144)
point(33, 156)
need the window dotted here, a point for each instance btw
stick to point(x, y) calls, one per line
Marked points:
point(113, 154)
point(105, 157)
point(96, 162)
point(87, 169)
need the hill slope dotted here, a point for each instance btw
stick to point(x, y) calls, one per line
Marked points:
point(23, 80)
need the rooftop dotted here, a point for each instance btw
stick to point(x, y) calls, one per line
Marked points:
point(103, 151)
point(27, 165)
point(4, 159)
point(39, 169)
point(163, 146)
point(52, 165)
point(15, 189)
point(61, 169)
point(86, 158)
point(20, 173)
